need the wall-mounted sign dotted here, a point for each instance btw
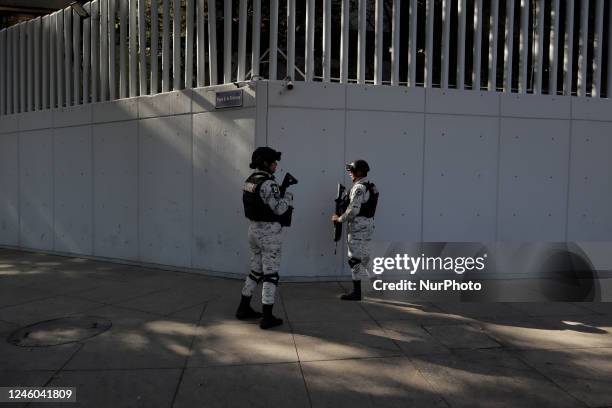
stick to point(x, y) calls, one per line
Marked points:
point(228, 99)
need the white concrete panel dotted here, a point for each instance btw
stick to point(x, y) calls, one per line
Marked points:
point(116, 190)
point(164, 104)
point(460, 178)
point(9, 123)
point(590, 204)
point(592, 108)
point(533, 180)
point(456, 101)
point(322, 95)
point(73, 190)
point(385, 98)
point(223, 143)
point(392, 144)
point(73, 115)
point(312, 144)
point(535, 106)
point(36, 189)
point(203, 99)
point(165, 190)
point(9, 189)
point(36, 120)
point(113, 111)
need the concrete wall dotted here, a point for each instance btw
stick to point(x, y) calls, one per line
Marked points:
point(157, 180)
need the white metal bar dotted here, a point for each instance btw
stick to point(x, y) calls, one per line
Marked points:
point(212, 42)
point(176, 45)
point(123, 61)
point(95, 46)
point(568, 60)
point(52, 57)
point(15, 79)
point(227, 41)
point(509, 46)
point(538, 52)
point(344, 40)
point(395, 39)
point(553, 47)
point(242, 36)
point(524, 46)
point(142, 47)
point(200, 44)
point(361, 41)
point(59, 48)
point(166, 46)
point(446, 16)
point(609, 87)
point(256, 38)
point(493, 37)
point(327, 40)
point(583, 44)
point(86, 54)
point(22, 67)
point(30, 65)
point(45, 39)
point(462, 17)
point(273, 39)
point(597, 49)
point(133, 47)
point(112, 68)
point(3, 60)
point(76, 60)
point(476, 70)
point(430, 11)
point(291, 38)
point(189, 44)
point(104, 50)
point(154, 88)
point(412, 43)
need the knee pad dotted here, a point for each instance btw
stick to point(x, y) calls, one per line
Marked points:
point(272, 278)
point(353, 262)
point(256, 276)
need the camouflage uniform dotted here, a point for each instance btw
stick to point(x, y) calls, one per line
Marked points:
point(360, 230)
point(265, 245)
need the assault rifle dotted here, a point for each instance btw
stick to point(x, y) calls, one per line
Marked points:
point(289, 180)
point(340, 208)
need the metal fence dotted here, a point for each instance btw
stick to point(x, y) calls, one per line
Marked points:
point(128, 48)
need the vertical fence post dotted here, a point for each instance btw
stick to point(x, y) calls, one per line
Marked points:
point(166, 46)
point(52, 57)
point(30, 65)
point(492, 83)
point(227, 41)
point(379, 15)
point(568, 61)
point(104, 50)
point(16, 75)
point(133, 47)
point(361, 41)
point(524, 46)
point(291, 39)
point(95, 46)
point(446, 8)
point(154, 88)
point(597, 49)
point(273, 39)
point(553, 47)
point(76, 60)
point(242, 36)
point(123, 58)
point(538, 52)
point(609, 87)
point(212, 42)
point(176, 45)
point(430, 12)
point(86, 54)
point(583, 44)
point(201, 41)
point(461, 15)
point(112, 74)
point(142, 46)
point(23, 42)
point(344, 40)
point(189, 44)
point(256, 39)
point(3, 61)
point(327, 40)
point(509, 46)
point(476, 71)
point(60, 63)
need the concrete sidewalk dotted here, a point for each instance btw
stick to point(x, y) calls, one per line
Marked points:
point(175, 343)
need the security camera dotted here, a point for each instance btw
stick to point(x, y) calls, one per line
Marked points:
point(288, 83)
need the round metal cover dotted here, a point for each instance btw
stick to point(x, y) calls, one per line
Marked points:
point(59, 331)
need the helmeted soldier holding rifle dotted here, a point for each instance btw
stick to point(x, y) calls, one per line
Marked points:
point(358, 209)
point(268, 207)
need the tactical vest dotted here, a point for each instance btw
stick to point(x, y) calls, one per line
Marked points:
point(368, 209)
point(254, 207)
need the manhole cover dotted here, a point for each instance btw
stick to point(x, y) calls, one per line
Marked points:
point(59, 331)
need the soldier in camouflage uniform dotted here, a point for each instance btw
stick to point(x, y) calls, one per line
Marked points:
point(263, 206)
point(359, 215)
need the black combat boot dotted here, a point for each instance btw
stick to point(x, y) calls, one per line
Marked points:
point(355, 294)
point(269, 320)
point(245, 311)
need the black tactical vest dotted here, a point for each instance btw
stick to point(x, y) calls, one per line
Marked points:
point(254, 207)
point(368, 209)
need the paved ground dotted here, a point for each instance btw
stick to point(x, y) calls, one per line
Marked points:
point(174, 343)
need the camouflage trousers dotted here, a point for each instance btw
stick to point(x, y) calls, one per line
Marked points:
point(265, 247)
point(360, 231)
